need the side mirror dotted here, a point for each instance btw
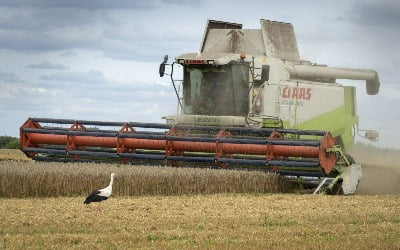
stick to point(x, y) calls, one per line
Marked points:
point(264, 73)
point(161, 69)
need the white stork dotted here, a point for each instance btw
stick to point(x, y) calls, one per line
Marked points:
point(101, 194)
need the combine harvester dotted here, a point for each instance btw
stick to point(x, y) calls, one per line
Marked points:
point(246, 101)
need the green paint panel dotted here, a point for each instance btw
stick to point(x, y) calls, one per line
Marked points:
point(339, 122)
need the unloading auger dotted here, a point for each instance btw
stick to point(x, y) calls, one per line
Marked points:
point(231, 147)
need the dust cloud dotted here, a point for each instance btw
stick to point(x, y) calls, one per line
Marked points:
point(381, 169)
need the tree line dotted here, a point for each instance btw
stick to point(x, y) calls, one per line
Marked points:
point(9, 142)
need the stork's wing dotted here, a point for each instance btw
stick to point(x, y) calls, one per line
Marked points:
point(106, 192)
point(97, 192)
point(94, 197)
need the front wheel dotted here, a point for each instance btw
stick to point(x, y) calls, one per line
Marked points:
point(350, 158)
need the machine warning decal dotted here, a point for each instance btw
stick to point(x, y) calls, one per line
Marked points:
point(296, 93)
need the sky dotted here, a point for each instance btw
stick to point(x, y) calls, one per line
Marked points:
point(98, 60)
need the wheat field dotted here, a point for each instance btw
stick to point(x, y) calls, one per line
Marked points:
point(25, 178)
point(41, 207)
point(218, 221)
point(21, 177)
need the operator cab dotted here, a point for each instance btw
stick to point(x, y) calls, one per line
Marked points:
point(216, 90)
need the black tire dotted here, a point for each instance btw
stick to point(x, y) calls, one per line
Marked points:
point(350, 158)
point(337, 188)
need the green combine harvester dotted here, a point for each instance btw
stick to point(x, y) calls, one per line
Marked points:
point(246, 101)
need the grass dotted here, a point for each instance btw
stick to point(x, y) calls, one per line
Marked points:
point(238, 221)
